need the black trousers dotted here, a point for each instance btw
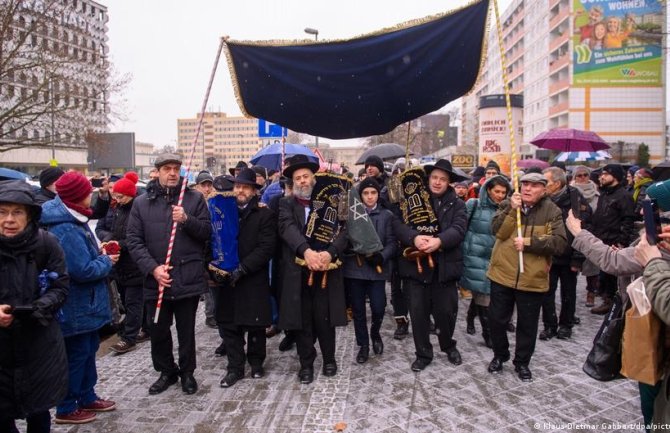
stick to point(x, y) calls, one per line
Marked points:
point(233, 336)
point(568, 280)
point(439, 300)
point(528, 304)
point(134, 303)
point(399, 299)
point(608, 284)
point(184, 312)
point(36, 423)
point(315, 311)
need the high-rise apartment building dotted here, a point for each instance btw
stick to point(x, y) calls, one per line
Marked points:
point(54, 85)
point(587, 65)
point(224, 140)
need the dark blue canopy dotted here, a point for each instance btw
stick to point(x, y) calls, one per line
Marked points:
point(363, 86)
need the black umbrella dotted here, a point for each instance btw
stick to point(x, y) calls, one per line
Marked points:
point(661, 171)
point(385, 151)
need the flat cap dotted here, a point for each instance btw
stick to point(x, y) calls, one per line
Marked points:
point(167, 158)
point(534, 178)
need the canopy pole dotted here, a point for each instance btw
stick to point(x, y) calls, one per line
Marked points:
point(407, 163)
point(510, 125)
point(173, 233)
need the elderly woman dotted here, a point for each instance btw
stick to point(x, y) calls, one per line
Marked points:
point(87, 308)
point(33, 366)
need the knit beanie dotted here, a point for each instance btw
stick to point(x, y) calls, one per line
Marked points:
point(50, 175)
point(492, 164)
point(660, 191)
point(73, 187)
point(615, 170)
point(368, 182)
point(375, 161)
point(127, 184)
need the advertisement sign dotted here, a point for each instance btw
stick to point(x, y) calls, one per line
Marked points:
point(494, 140)
point(617, 43)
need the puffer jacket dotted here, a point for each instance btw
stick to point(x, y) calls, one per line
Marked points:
point(613, 220)
point(148, 236)
point(568, 199)
point(544, 236)
point(114, 227)
point(33, 363)
point(478, 243)
point(382, 221)
point(87, 308)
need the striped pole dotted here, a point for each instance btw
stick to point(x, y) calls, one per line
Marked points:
point(510, 125)
point(173, 233)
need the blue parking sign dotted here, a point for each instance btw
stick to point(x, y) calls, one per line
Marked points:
point(268, 129)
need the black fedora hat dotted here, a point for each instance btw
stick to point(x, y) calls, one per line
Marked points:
point(247, 177)
point(297, 162)
point(240, 165)
point(445, 165)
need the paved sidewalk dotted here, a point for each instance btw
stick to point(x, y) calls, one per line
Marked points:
point(383, 395)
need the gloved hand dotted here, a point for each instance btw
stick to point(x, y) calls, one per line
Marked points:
point(42, 313)
point(236, 275)
point(375, 259)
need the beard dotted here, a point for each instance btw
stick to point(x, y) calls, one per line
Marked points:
point(304, 193)
point(243, 200)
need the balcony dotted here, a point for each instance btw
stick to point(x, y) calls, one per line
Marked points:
point(557, 19)
point(558, 40)
point(559, 63)
point(558, 108)
point(559, 85)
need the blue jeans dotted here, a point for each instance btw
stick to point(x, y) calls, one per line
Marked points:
point(375, 290)
point(83, 374)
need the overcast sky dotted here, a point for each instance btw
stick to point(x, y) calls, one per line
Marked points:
point(169, 47)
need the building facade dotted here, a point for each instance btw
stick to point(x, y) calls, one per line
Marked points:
point(578, 64)
point(224, 140)
point(55, 84)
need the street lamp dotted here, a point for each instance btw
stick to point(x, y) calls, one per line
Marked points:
point(315, 32)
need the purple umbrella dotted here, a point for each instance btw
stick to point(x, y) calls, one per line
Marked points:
point(528, 163)
point(570, 140)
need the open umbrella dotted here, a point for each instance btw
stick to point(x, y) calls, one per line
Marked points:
point(570, 140)
point(528, 163)
point(599, 155)
point(385, 151)
point(8, 173)
point(270, 156)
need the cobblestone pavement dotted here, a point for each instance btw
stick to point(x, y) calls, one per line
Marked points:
point(383, 395)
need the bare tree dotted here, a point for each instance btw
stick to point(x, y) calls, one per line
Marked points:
point(54, 76)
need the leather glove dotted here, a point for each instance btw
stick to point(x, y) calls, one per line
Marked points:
point(375, 259)
point(236, 275)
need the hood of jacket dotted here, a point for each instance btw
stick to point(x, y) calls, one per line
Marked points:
point(55, 212)
point(155, 190)
point(484, 198)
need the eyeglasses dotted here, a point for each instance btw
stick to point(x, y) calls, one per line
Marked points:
point(582, 175)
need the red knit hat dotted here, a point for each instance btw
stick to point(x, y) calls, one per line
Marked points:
point(126, 185)
point(73, 187)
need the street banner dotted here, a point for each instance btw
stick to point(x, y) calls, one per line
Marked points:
point(617, 43)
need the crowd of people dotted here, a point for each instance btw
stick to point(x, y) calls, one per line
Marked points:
point(56, 294)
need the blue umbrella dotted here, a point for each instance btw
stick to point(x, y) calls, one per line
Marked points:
point(270, 156)
point(8, 173)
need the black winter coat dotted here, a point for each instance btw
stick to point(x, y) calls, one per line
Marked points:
point(148, 237)
point(114, 227)
point(613, 220)
point(248, 303)
point(43, 195)
point(291, 227)
point(565, 201)
point(33, 363)
point(452, 218)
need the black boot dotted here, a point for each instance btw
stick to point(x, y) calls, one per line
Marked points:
point(483, 313)
point(470, 318)
point(403, 328)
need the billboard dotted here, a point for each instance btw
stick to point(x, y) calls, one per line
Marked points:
point(494, 140)
point(617, 43)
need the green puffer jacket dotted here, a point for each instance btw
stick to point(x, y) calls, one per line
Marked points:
point(478, 242)
point(544, 236)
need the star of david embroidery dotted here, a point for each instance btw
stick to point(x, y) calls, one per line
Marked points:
point(358, 215)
